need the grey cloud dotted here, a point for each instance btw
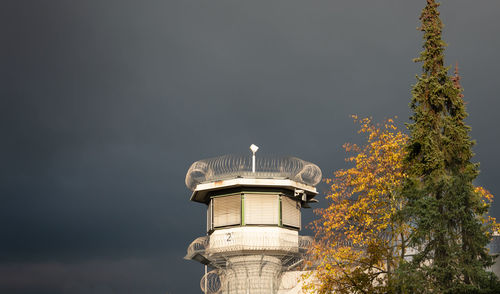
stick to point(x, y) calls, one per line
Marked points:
point(105, 104)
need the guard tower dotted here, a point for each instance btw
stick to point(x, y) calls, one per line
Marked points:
point(253, 221)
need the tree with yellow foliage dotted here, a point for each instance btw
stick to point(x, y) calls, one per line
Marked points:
point(359, 240)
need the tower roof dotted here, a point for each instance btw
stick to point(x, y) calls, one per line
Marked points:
point(230, 171)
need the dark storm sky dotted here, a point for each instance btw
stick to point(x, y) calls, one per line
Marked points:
point(105, 104)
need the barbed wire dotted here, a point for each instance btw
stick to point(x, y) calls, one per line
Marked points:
point(233, 166)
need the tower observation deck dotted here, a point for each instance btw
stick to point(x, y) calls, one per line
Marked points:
point(253, 221)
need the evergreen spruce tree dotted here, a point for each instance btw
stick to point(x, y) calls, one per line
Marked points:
point(443, 208)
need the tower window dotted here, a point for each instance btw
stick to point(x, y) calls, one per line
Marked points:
point(226, 211)
point(261, 209)
point(253, 208)
point(290, 214)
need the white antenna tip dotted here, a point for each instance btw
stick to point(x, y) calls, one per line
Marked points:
point(254, 148)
